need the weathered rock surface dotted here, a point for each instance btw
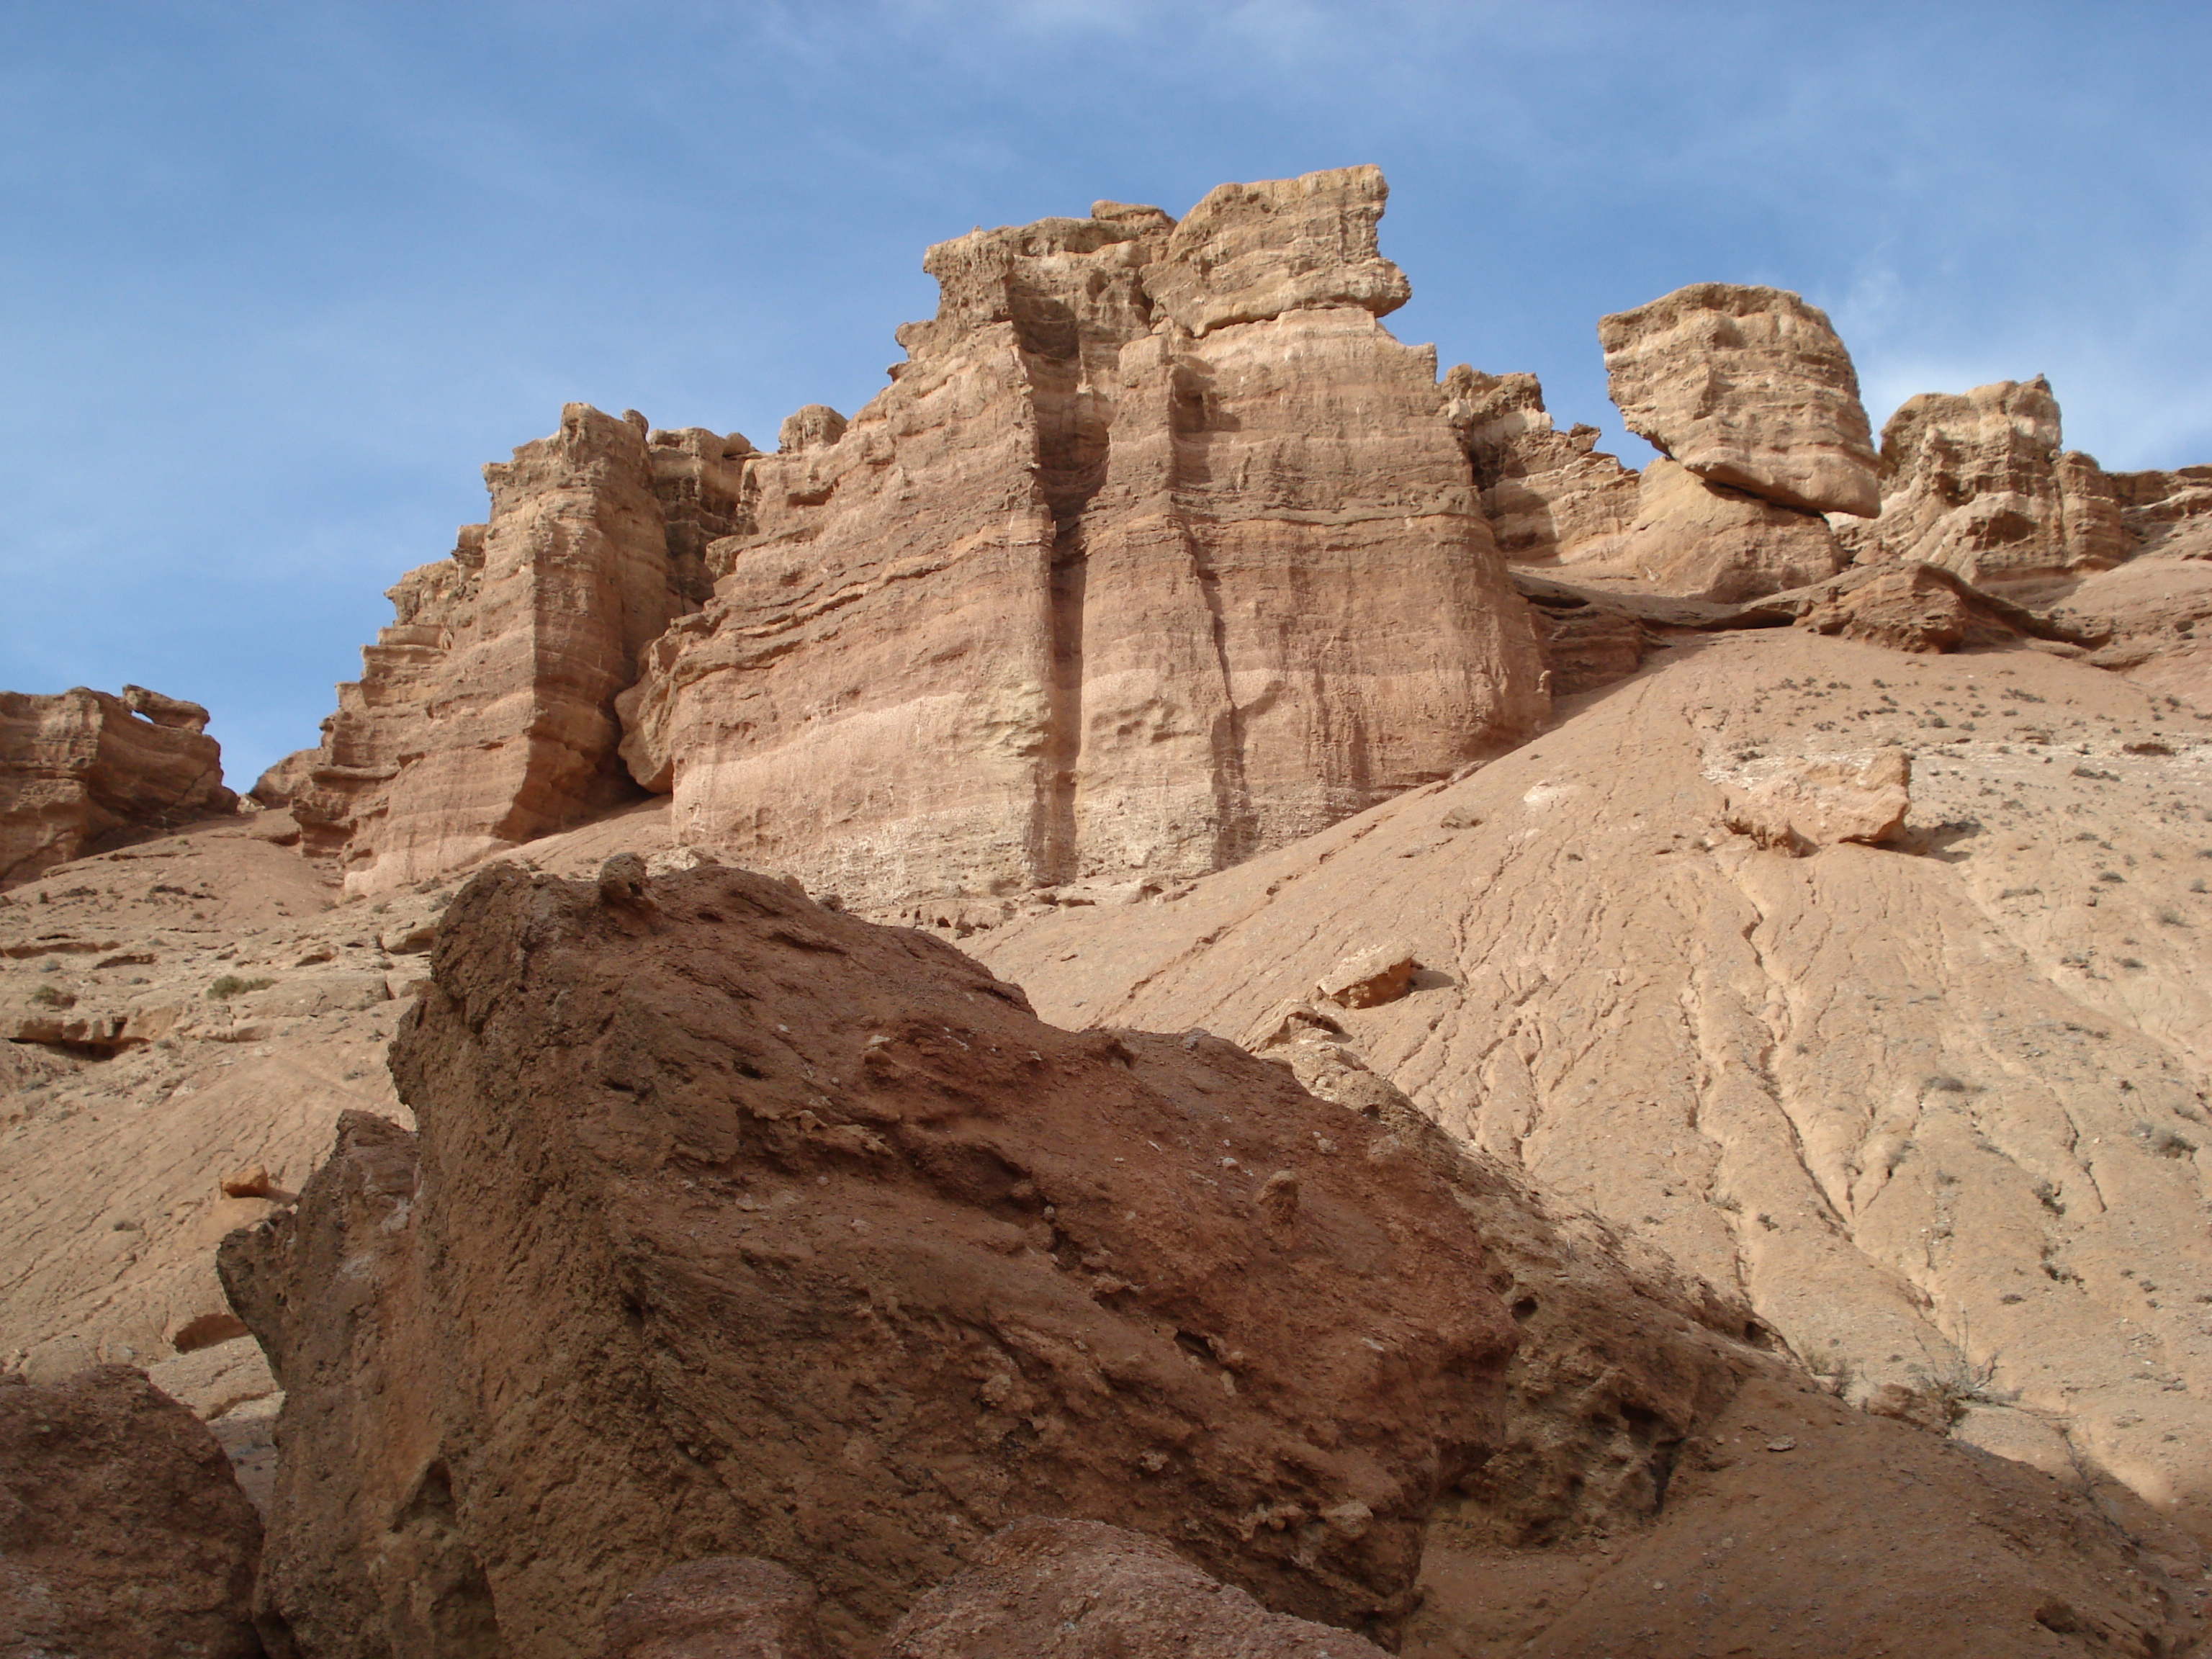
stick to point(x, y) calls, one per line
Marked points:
point(1795, 1524)
point(1079, 1589)
point(741, 1226)
point(1979, 483)
point(1936, 1115)
point(1800, 805)
point(121, 1532)
point(723, 1607)
point(1748, 387)
point(83, 764)
point(1703, 540)
point(485, 717)
point(1157, 551)
point(1247, 253)
point(1551, 496)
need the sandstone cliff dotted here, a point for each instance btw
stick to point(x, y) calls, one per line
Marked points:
point(484, 716)
point(1158, 549)
point(84, 764)
point(1979, 483)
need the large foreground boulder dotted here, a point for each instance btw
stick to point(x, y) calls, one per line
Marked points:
point(122, 1533)
point(83, 763)
point(739, 1226)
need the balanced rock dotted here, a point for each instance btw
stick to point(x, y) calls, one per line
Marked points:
point(121, 1532)
point(1746, 386)
point(1157, 551)
point(1079, 1589)
point(83, 764)
point(743, 1227)
point(1979, 483)
point(485, 715)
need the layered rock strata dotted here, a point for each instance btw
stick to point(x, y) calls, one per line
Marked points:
point(738, 1225)
point(1157, 551)
point(484, 716)
point(1551, 496)
point(1715, 542)
point(1749, 387)
point(1979, 483)
point(83, 764)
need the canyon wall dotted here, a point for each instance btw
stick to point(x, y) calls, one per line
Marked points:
point(484, 715)
point(1157, 551)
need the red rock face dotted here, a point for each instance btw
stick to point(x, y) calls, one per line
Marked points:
point(121, 1532)
point(484, 715)
point(1159, 552)
point(738, 1226)
point(79, 765)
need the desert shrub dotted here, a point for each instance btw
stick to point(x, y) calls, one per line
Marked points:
point(230, 985)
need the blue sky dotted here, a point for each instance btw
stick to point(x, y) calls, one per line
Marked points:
point(276, 278)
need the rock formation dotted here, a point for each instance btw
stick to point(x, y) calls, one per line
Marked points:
point(484, 716)
point(741, 1226)
point(84, 764)
point(1711, 541)
point(121, 1532)
point(1081, 1590)
point(1748, 387)
point(1980, 484)
point(1551, 497)
point(1090, 594)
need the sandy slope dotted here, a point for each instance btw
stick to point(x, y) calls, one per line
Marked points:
point(1937, 1109)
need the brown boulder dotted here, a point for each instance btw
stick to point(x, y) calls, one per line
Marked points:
point(1079, 1590)
point(121, 1532)
point(83, 764)
point(742, 1226)
point(1381, 973)
point(1979, 483)
point(726, 1606)
point(1746, 386)
point(1801, 805)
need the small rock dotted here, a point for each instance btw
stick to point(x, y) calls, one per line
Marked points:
point(252, 1181)
point(1381, 972)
